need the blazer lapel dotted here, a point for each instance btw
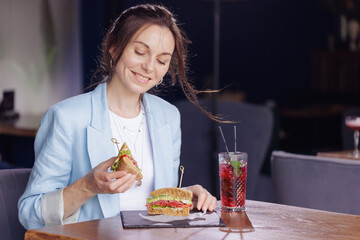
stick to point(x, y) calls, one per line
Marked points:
point(100, 147)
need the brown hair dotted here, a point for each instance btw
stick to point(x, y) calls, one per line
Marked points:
point(125, 27)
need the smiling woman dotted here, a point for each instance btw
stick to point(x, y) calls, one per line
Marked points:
point(143, 63)
point(70, 181)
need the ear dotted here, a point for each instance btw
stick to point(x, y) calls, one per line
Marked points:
point(111, 51)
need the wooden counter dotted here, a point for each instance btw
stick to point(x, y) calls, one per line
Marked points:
point(260, 221)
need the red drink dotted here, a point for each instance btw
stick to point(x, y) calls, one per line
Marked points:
point(353, 123)
point(233, 182)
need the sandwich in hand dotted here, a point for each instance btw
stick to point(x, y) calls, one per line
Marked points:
point(126, 162)
point(169, 201)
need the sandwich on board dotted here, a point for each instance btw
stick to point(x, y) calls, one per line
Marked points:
point(169, 201)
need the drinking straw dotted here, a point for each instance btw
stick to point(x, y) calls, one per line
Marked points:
point(222, 134)
point(235, 137)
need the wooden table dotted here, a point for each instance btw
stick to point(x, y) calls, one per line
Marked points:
point(348, 154)
point(260, 221)
point(24, 126)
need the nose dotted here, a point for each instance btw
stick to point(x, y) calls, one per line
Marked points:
point(148, 64)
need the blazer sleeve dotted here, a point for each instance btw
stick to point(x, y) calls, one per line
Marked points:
point(52, 167)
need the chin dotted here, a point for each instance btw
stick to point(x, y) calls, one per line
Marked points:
point(140, 90)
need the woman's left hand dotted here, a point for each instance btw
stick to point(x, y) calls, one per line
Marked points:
point(202, 199)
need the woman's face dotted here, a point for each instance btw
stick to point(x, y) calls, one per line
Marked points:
point(145, 59)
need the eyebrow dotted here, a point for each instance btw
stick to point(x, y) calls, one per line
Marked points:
point(148, 47)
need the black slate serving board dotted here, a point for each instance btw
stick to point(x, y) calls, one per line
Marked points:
point(132, 219)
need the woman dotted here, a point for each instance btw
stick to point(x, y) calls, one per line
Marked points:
point(70, 180)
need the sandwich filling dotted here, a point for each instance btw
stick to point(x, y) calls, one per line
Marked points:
point(124, 153)
point(166, 201)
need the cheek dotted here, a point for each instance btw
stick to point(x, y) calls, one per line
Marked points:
point(162, 71)
point(129, 62)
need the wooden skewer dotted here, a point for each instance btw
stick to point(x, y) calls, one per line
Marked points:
point(182, 173)
point(117, 143)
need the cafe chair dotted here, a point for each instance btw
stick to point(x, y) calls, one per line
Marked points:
point(12, 186)
point(330, 184)
point(196, 147)
point(255, 125)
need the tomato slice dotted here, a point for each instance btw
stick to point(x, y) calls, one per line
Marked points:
point(170, 203)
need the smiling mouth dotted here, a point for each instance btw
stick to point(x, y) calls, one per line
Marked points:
point(141, 77)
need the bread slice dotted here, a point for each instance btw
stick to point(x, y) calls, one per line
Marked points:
point(174, 192)
point(126, 165)
point(169, 211)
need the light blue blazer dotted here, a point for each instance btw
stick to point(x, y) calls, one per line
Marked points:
point(74, 137)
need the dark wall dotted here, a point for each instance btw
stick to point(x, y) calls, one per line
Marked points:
point(269, 45)
point(93, 18)
point(265, 49)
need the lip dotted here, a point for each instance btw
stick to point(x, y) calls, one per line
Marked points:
point(141, 79)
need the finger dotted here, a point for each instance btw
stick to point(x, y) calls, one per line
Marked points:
point(213, 204)
point(108, 176)
point(128, 184)
point(114, 175)
point(113, 186)
point(194, 203)
point(206, 203)
point(210, 203)
point(122, 184)
point(106, 164)
point(110, 162)
point(200, 200)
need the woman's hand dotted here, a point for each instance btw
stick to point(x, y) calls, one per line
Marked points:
point(99, 180)
point(202, 199)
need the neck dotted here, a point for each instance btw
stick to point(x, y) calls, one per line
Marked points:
point(122, 102)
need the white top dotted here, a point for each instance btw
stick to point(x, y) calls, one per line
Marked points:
point(135, 132)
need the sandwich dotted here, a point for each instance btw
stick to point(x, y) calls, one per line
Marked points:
point(126, 162)
point(169, 201)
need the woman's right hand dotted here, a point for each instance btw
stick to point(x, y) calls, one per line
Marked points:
point(99, 180)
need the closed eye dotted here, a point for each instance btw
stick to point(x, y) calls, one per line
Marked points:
point(161, 62)
point(139, 53)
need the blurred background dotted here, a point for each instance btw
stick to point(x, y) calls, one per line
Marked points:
point(300, 57)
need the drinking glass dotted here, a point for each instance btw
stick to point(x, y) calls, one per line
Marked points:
point(353, 122)
point(233, 172)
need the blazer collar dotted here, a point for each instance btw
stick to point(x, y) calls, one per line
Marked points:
point(100, 119)
point(100, 147)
